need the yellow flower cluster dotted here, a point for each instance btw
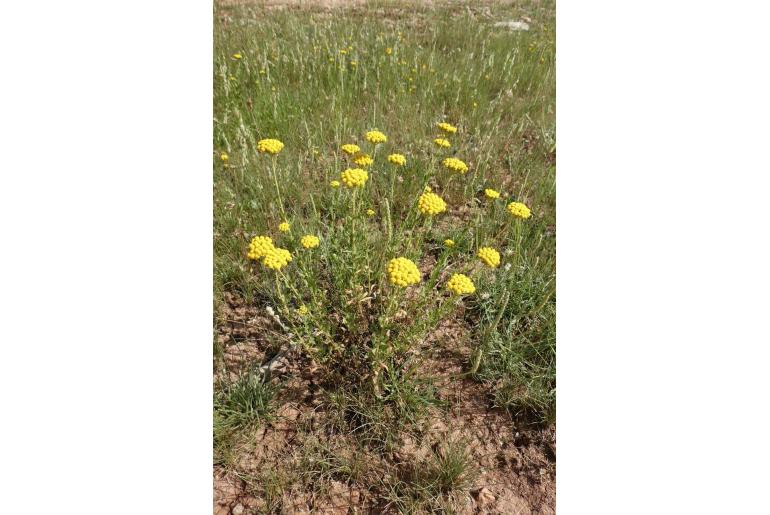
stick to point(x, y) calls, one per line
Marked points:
point(397, 159)
point(370, 212)
point(460, 284)
point(449, 243)
point(449, 129)
point(354, 177)
point(237, 56)
point(260, 246)
point(302, 310)
point(431, 204)
point(455, 165)
point(224, 157)
point(277, 258)
point(388, 50)
point(284, 227)
point(269, 146)
point(376, 137)
point(350, 148)
point(490, 193)
point(309, 241)
point(441, 142)
point(489, 256)
point(403, 272)
point(363, 160)
point(334, 184)
point(518, 209)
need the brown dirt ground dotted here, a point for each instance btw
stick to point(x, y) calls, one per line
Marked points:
point(515, 464)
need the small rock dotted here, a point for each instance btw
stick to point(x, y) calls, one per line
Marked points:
point(513, 25)
point(238, 509)
point(485, 497)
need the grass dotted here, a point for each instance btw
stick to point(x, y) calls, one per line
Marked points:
point(318, 79)
point(434, 483)
point(241, 404)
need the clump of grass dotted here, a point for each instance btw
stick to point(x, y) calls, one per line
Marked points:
point(432, 484)
point(242, 404)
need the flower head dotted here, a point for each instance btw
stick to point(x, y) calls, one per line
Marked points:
point(269, 146)
point(224, 157)
point(519, 209)
point(441, 142)
point(237, 56)
point(489, 256)
point(309, 241)
point(302, 310)
point(397, 159)
point(388, 50)
point(284, 227)
point(354, 177)
point(449, 129)
point(460, 284)
point(376, 137)
point(403, 272)
point(334, 184)
point(454, 164)
point(490, 193)
point(350, 148)
point(260, 246)
point(363, 160)
point(449, 243)
point(370, 212)
point(431, 204)
point(277, 258)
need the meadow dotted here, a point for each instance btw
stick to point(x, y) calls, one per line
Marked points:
point(384, 258)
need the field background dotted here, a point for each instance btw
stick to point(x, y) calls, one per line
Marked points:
point(317, 75)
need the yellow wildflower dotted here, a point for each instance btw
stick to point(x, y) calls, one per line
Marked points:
point(489, 256)
point(343, 51)
point(237, 56)
point(270, 146)
point(455, 164)
point(427, 189)
point(449, 129)
point(518, 209)
point(260, 246)
point(284, 227)
point(388, 50)
point(490, 193)
point(370, 212)
point(397, 159)
point(449, 243)
point(363, 160)
point(431, 204)
point(460, 284)
point(277, 258)
point(403, 272)
point(302, 310)
point(441, 142)
point(224, 157)
point(376, 137)
point(353, 63)
point(334, 184)
point(350, 148)
point(354, 177)
point(309, 241)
